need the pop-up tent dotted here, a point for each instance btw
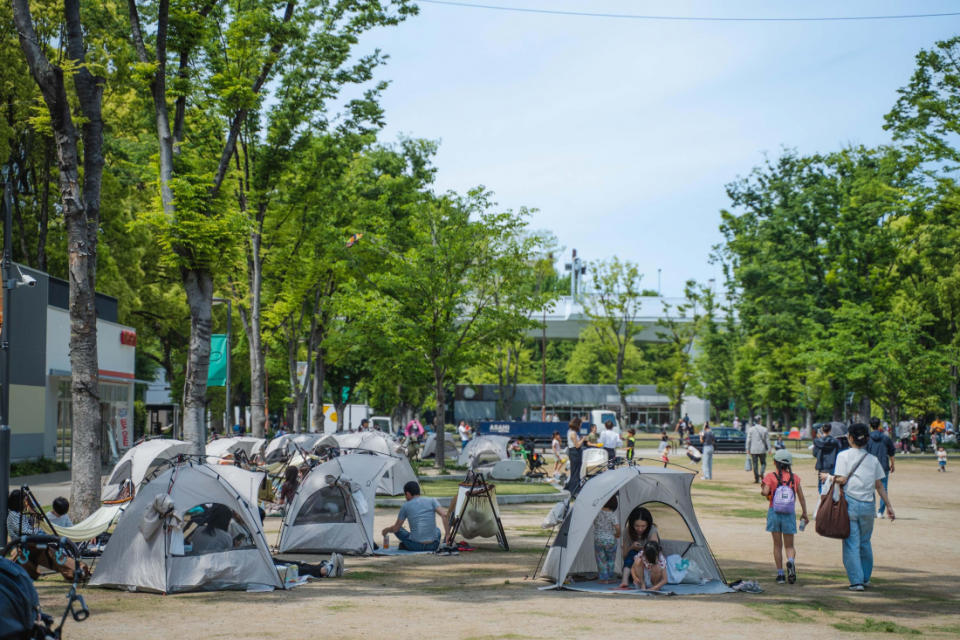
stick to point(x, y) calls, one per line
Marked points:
point(396, 476)
point(222, 447)
point(188, 529)
point(430, 448)
point(306, 441)
point(333, 506)
point(666, 494)
point(484, 449)
point(278, 449)
point(137, 463)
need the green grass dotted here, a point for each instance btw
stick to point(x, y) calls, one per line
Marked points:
point(712, 486)
point(875, 626)
point(361, 574)
point(795, 611)
point(746, 513)
point(448, 488)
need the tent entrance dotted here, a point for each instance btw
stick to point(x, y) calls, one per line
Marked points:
point(330, 504)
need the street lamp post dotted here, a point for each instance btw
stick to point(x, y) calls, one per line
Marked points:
point(5, 345)
point(228, 413)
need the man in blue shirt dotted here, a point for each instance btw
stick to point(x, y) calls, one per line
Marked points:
point(882, 447)
point(421, 512)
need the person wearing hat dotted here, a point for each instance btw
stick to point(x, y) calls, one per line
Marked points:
point(782, 489)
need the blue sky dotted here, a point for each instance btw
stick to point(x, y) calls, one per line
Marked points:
point(623, 133)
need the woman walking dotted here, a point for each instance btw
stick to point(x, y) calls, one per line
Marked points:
point(861, 476)
point(574, 444)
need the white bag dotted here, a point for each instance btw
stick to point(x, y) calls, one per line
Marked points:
point(746, 464)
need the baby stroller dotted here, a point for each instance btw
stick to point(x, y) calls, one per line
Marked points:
point(534, 462)
point(20, 614)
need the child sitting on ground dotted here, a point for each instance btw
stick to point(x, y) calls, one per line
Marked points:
point(59, 514)
point(651, 572)
point(941, 459)
point(606, 532)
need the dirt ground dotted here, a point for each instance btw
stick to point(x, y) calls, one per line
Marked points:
point(485, 595)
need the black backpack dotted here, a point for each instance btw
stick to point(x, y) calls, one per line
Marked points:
point(19, 604)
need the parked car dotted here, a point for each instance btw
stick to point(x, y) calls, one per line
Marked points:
point(727, 439)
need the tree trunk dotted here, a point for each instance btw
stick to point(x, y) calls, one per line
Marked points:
point(438, 418)
point(954, 408)
point(43, 222)
point(621, 352)
point(198, 284)
point(865, 409)
point(81, 212)
point(317, 419)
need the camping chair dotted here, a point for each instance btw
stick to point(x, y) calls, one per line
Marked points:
point(476, 513)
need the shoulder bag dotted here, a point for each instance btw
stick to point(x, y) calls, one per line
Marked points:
point(833, 521)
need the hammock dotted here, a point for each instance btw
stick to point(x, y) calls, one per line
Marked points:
point(98, 522)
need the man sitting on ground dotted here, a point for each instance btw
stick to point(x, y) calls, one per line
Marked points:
point(424, 535)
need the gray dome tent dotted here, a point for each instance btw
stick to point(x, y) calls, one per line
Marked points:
point(156, 546)
point(396, 476)
point(484, 448)
point(666, 493)
point(333, 506)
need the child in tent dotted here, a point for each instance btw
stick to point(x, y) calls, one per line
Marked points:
point(606, 532)
point(640, 531)
point(631, 444)
point(941, 459)
point(783, 489)
point(651, 572)
point(59, 515)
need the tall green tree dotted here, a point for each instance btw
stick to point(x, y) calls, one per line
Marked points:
point(442, 287)
point(613, 307)
point(80, 200)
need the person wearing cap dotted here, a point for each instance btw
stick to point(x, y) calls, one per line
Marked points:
point(758, 444)
point(783, 490)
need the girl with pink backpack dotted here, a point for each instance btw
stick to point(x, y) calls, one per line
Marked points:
point(782, 487)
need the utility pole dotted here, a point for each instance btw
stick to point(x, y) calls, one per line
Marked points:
point(8, 285)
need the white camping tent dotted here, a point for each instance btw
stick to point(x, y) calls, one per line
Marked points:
point(430, 448)
point(150, 552)
point(665, 492)
point(247, 483)
point(396, 476)
point(307, 441)
point(138, 462)
point(333, 507)
point(484, 448)
point(222, 447)
point(278, 449)
point(594, 461)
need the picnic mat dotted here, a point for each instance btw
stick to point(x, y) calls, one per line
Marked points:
point(592, 586)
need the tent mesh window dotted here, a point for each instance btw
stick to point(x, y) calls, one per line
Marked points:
point(329, 504)
point(204, 532)
point(121, 473)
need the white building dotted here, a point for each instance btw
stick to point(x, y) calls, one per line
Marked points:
point(40, 408)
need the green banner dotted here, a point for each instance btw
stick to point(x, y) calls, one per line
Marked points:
point(217, 374)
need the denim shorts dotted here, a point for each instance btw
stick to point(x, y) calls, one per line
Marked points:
point(781, 522)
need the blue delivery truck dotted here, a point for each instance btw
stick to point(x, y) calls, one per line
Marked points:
point(542, 432)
